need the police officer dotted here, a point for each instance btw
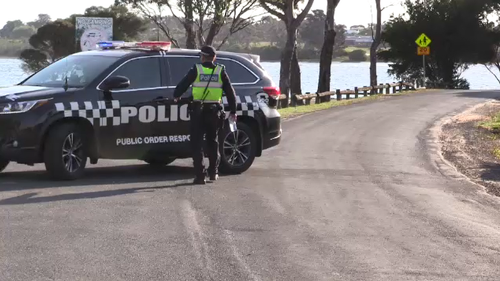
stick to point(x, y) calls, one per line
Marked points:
point(209, 81)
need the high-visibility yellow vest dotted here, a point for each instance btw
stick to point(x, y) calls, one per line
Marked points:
point(214, 90)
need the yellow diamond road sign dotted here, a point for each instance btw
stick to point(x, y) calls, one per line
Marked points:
point(423, 41)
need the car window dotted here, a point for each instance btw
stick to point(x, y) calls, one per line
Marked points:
point(79, 71)
point(142, 73)
point(179, 67)
point(236, 72)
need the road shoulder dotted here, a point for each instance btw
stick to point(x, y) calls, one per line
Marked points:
point(470, 149)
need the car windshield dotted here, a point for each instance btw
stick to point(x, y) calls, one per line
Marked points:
point(79, 70)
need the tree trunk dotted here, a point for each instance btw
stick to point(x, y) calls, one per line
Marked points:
point(374, 47)
point(216, 25)
point(286, 62)
point(295, 81)
point(189, 25)
point(325, 63)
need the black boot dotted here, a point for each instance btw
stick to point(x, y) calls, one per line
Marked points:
point(214, 176)
point(199, 180)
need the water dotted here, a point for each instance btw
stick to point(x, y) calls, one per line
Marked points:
point(344, 75)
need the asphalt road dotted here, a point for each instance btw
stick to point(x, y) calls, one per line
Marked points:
point(353, 193)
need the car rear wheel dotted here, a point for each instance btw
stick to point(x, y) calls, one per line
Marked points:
point(237, 149)
point(3, 164)
point(65, 154)
point(158, 162)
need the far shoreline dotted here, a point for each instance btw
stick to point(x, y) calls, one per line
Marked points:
point(275, 61)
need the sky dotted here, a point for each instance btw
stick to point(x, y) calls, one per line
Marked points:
point(349, 12)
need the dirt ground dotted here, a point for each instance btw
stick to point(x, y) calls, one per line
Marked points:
point(471, 148)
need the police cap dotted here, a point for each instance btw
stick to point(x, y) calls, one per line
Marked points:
point(208, 51)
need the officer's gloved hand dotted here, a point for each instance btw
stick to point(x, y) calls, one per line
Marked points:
point(233, 117)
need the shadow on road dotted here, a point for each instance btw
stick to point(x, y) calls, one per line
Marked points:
point(29, 198)
point(25, 180)
point(489, 94)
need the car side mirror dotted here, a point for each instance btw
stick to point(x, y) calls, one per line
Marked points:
point(115, 83)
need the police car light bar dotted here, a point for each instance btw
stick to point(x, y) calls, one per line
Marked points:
point(110, 44)
point(163, 45)
point(104, 45)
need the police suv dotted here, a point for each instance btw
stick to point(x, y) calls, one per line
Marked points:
point(117, 103)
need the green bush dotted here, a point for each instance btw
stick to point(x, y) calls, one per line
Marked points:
point(357, 55)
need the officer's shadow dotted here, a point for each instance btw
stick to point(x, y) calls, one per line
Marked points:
point(96, 176)
point(151, 180)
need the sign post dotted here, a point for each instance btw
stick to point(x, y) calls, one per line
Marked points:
point(423, 50)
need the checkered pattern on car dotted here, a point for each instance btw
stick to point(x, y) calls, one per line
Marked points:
point(246, 108)
point(104, 113)
point(97, 112)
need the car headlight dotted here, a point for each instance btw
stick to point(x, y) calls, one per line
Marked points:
point(19, 107)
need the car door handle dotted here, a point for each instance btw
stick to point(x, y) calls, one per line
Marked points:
point(160, 99)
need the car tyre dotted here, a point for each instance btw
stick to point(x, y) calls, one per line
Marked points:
point(160, 162)
point(237, 149)
point(3, 164)
point(66, 152)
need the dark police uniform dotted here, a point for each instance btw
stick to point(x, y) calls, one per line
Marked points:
point(209, 81)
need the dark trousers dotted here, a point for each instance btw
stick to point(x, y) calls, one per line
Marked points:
point(205, 120)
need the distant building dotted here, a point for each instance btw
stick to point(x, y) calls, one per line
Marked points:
point(361, 41)
point(357, 27)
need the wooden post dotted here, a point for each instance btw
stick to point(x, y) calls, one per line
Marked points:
point(356, 92)
point(339, 96)
point(347, 95)
point(388, 88)
point(365, 91)
point(318, 98)
point(400, 87)
point(381, 90)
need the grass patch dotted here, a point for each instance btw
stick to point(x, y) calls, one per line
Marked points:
point(304, 109)
point(493, 124)
point(496, 152)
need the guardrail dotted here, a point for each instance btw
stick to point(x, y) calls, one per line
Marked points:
point(365, 91)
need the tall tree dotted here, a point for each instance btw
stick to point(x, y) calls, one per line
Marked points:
point(460, 36)
point(285, 11)
point(325, 63)
point(42, 20)
point(202, 20)
point(7, 29)
point(374, 46)
point(23, 32)
point(309, 35)
point(51, 42)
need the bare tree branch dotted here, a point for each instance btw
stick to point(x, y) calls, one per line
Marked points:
point(391, 5)
point(496, 77)
point(300, 18)
point(272, 11)
point(157, 19)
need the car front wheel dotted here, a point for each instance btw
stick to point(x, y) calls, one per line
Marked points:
point(65, 153)
point(3, 164)
point(237, 149)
